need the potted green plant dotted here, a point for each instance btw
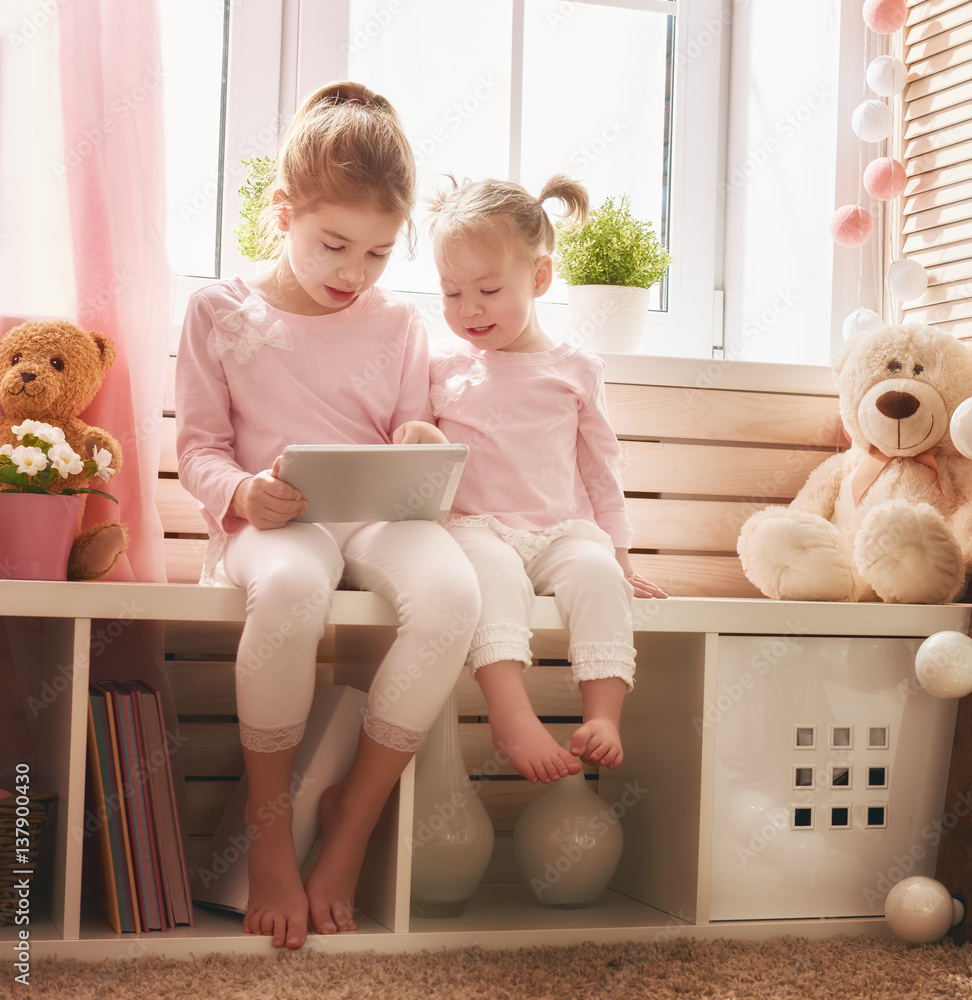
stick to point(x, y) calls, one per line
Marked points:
point(609, 265)
point(253, 239)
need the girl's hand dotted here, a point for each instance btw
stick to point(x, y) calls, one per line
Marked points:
point(418, 432)
point(642, 587)
point(266, 501)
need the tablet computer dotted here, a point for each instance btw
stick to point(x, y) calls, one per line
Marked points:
point(374, 482)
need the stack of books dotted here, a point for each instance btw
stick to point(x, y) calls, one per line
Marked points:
point(143, 879)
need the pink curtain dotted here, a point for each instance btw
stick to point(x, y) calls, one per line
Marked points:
point(114, 154)
point(111, 92)
point(110, 71)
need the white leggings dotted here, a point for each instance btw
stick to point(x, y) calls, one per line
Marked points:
point(587, 583)
point(290, 574)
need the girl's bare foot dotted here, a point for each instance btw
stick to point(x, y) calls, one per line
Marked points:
point(524, 741)
point(329, 889)
point(276, 904)
point(598, 741)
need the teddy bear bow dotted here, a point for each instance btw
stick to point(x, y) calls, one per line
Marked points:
point(875, 462)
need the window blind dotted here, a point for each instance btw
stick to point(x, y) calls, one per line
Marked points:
point(935, 146)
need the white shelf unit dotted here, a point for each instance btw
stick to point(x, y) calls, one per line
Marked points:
point(664, 886)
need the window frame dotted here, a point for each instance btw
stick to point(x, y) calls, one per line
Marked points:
point(279, 50)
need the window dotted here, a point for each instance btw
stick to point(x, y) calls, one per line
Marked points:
point(629, 96)
point(193, 49)
point(581, 89)
point(599, 90)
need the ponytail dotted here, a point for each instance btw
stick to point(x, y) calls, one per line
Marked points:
point(571, 194)
point(474, 203)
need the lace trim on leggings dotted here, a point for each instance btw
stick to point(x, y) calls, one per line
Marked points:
point(270, 740)
point(390, 735)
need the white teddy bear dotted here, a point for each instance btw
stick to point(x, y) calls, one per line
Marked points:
point(889, 519)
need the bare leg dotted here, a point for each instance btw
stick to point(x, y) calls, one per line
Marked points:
point(517, 732)
point(598, 740)
point(276, 904)
point(349, 811)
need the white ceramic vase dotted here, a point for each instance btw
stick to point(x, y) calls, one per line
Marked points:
point(452, 834)
point(567, 844)
point(608, 318)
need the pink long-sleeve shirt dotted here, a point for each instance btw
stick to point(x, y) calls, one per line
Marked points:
point(541, 448)
point(251, 380)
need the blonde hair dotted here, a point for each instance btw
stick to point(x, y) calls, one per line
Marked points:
point(472, 205)
point(345, 145)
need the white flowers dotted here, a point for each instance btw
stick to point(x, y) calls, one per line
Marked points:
point(44, 457)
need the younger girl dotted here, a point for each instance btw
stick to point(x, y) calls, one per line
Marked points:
point(312, 352)
point(540, 506)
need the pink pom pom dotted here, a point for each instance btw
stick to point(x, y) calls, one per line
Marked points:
point(885, 16)
point(850, 226)
point(884, 178)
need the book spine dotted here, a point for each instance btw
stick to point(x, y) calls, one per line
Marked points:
point(120, 810)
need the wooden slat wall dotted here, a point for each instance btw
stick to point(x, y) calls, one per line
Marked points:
point(696, 463)
point(936, 150)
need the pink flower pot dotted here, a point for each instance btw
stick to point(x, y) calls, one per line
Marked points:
point(36, 533)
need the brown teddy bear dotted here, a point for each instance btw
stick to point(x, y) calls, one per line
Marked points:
point(889, 519)
point(50, 371)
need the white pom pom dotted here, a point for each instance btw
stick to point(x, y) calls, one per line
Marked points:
point(906, 280)
point(920, 910)
point(887, 76)
point(860, 321)
point(872, 121)
point(961, 428)
point(943, 665)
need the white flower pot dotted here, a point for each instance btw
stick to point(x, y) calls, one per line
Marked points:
point(608, 318)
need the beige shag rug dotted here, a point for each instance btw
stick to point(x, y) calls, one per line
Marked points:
point(858, 968)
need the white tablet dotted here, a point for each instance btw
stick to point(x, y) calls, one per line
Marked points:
point(374, 482)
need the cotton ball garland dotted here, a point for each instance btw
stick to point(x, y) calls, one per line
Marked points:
point(887, 76)
point(860, 321)
point(850, 226)
point(872, 121)
point(943, 665)
point(884, 178)
point(960, 428)
point(906, 280)
point(884, 16)
point(920, 910)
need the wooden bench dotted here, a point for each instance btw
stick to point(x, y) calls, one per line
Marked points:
point(704, 445)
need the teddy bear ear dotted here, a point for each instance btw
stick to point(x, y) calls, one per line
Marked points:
point(106, 347)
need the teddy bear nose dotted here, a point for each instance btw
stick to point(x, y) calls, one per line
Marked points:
point(27, 376)
point(897, 405)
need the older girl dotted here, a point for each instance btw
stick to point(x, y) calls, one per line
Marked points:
point(289, 357)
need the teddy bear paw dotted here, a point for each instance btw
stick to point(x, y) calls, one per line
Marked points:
point(796, 557)
point(909, 555)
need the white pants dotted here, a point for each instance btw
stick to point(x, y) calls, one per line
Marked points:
point(587, 583)
point(289, 575)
